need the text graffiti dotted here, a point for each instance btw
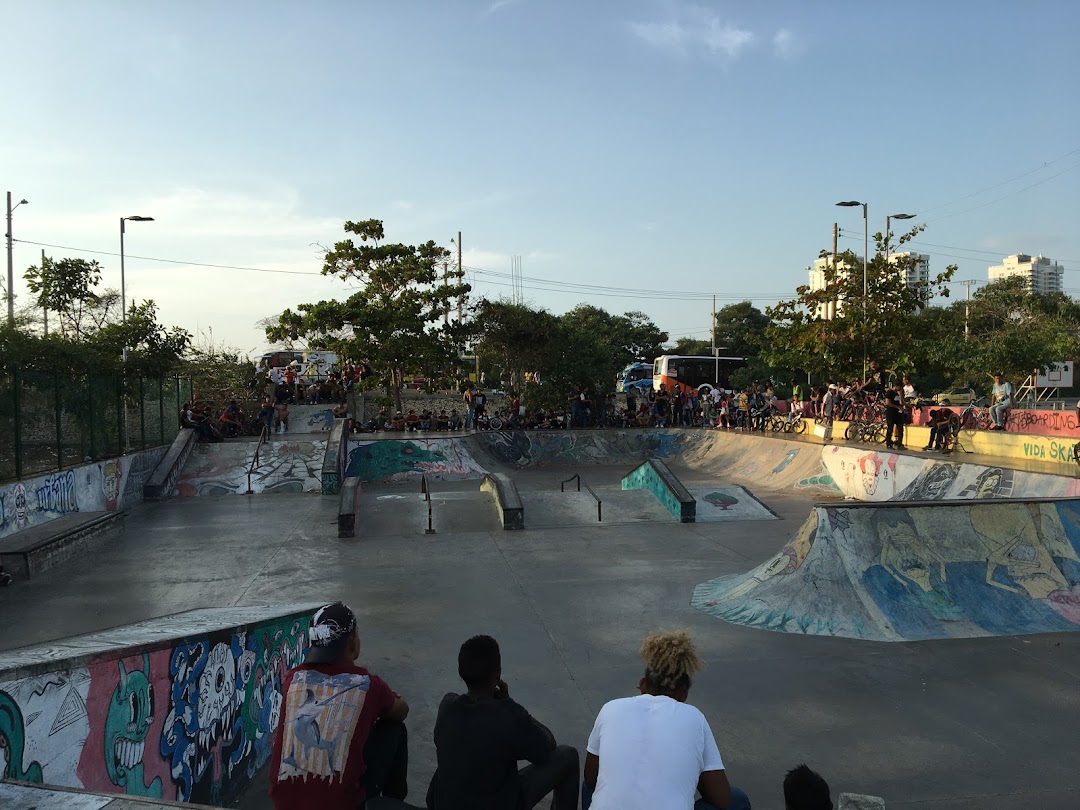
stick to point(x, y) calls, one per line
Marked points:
point(57, 494)
point(1052, 451)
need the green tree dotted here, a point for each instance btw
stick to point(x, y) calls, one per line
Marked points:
point(68, 287)
point(740, 329)
point(802, 335)
point(514, 338)
point(691, 347)
point(399, 318)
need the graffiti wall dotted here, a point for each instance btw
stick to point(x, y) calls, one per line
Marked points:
point(565, 447)
point(902, 573)
point(284, 466)
point(104, 486)
point(310, 418)
point(1062, 424)
point(189, 722)
point(871, 475)
point(403, 459)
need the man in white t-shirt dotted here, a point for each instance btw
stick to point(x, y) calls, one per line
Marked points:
point(654, 750)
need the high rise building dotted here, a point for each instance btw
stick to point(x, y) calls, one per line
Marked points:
point(1040, 274)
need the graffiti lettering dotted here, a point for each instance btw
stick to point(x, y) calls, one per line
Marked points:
point(1054, 451)
point(57, 494)
point(1043, 421)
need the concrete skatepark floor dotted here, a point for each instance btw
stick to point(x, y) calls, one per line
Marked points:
point(987, 723)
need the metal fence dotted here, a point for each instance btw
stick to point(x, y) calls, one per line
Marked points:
point(52, 421)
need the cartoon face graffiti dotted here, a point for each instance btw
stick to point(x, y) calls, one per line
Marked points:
point(22, 509)
point(111, 473)
point(868, 466)
point(217, 691)
point(127, 722)
point(13, 743)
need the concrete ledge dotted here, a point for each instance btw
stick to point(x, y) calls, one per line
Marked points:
point(655, 476)
point(162, 481)
point(507, 499)
point(35, 550)
point(348, 504)
point(857, 801)
point(331, 466)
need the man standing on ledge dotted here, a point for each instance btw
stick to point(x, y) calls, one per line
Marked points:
point(342, 737)
point(1002, 398)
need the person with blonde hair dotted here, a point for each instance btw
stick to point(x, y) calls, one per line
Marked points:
point(654, 750)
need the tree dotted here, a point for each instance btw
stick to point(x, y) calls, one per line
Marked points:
point(691, 347)
point(740, 329)
point(800, 335)
point(68, 288)
point(398, 321)
point(515, 338)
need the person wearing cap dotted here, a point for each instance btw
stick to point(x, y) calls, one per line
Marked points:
point(482, 735)
point(341, 740)
point(1002, 401)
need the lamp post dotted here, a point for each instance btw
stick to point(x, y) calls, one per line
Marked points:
point(11, 262)
point(866, 252)
point(123, 285)
point(888, 222)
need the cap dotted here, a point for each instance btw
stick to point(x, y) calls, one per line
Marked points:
point(328, 631)
point(832, 386)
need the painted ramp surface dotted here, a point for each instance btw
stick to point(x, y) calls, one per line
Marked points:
point(728, 502)
point(909, 572)
point(284, 466)
point(395, 460)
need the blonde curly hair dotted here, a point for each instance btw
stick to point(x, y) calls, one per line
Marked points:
point(671, 660)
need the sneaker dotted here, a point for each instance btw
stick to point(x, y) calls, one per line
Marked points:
point(888, 445)
point(900, 447)
point(928, 447)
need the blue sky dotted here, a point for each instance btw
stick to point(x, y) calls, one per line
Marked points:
point(634, 145)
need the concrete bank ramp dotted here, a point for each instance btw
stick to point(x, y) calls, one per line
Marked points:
point(285, 465)
point(545, 509)
point(915, 571)
point(400, 509)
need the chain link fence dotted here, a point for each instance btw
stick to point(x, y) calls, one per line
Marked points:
point(50, 421)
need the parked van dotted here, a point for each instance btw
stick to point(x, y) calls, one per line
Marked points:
point(318, 365)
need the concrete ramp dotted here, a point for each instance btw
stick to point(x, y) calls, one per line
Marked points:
point(915, 571)
point(545, 509)
point(285, 465)
point(725, 502)
point(401, 509)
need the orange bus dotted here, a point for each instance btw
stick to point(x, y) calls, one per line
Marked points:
point(701, 374)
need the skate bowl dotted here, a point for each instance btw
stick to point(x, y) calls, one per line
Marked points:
point(284, 465)
point(914, 571)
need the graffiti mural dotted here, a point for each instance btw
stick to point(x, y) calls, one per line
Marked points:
point(285, 465)
point(104, 486)
point(189, 721)
point(915, 572)
point(402, 459)
point(540, 448)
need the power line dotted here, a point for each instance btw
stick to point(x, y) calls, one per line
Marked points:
point(1006, 196)
point(948, 255)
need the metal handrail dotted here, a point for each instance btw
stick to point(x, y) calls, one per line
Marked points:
point(425, 490)
point(263, 437)
point(580, 481)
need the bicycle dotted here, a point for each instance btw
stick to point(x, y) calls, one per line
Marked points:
point(864, 431)
point(975, 417)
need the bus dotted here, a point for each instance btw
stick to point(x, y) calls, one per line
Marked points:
point(636, 377)
point(678, 371)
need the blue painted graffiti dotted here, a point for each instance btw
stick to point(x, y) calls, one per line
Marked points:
point(57, 494)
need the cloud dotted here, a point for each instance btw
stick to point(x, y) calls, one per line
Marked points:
point(693, 29)
point(785, 44)
point(499, 5)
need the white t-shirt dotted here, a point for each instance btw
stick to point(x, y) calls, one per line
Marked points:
point(277, 376)
point(652, 751)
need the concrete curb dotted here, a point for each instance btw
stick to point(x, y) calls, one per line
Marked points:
point(162, 482)
point(507, 500)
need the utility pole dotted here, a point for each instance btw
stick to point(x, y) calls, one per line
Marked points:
point(45, 309)
point(835, 238)
point(967, 304)
point(716, 354)
point(446, 312)
point(461, 275)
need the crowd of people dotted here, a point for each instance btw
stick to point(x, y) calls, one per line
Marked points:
point(342, 739)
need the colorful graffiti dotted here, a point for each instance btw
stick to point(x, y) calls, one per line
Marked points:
point(189, 722)
point(401, 459)
point(284, 466)
point(540, 448)
point(915, 572)
point(104, 486)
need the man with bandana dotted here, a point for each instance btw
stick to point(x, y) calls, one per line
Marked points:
point(342, 739)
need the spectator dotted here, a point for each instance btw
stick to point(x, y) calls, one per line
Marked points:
point(342, 737)
point(454, 420)
point(482, 735)
point(467, 399)
point(266, 415)
point(1001, 397)
point(398, 421)
point(425, 419)
point(277, 379)
point(442, 421)
point(282, 418)
point(229, 421)
point(806, 790)
point(412, 421)
point(910, 392)
point(876, 378)
point(894, 416)
point(479, 401)
point(654, 750)
point(940, 425)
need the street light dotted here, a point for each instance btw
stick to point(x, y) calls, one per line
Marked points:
point(10, 262)
point(888, 222)
point(123, 287)
point(866, 252)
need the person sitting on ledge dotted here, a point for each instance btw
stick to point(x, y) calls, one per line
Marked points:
point(480, 737)
point(412, 421)
point(655, 749)
point(342, 737)
point(398, 422)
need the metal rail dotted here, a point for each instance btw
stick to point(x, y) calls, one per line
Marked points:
point(425, 490)
point(263, 437)
point(580, 481)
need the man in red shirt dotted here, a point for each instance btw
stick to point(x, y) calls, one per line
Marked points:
point(341, 740)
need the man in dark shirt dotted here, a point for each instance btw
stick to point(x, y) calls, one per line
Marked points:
point(480, 737)
point(894, 416)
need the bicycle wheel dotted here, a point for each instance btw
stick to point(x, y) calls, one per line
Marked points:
point(776, 424)
point(495, 423)
point(983, 420)
point(853, 431)
point(798, 426)
point(876, 432)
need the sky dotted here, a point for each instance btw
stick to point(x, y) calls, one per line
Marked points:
point(636, 154)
